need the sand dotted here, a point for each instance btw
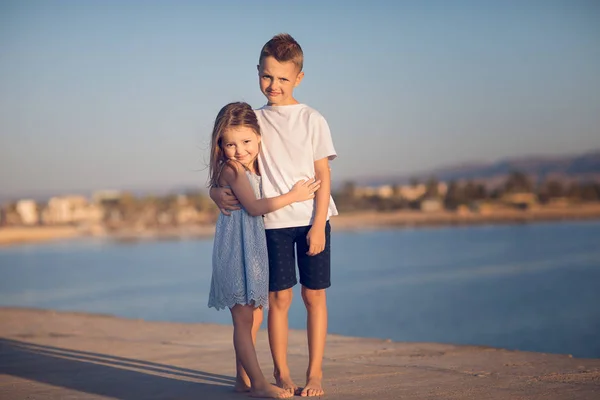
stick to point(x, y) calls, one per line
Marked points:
point(36, 234)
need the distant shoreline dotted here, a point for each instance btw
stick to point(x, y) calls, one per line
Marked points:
point(416, 219)
point(348, 221)
point(36, 234)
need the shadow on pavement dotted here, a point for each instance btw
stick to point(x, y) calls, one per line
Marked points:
point(106, 375)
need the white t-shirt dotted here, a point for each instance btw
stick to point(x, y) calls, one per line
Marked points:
point(293, 138)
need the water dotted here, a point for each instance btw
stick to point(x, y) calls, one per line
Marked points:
point(527, 287)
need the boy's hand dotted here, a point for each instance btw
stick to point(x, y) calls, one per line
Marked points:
point(315, 240)
point(225, 200)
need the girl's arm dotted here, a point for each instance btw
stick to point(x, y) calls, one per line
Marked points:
point(235, 176)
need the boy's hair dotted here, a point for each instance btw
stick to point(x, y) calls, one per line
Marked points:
point(283, 48)
point(232, 115)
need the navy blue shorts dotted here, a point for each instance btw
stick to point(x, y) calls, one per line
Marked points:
point(284, 245)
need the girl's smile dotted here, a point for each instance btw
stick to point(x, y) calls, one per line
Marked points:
point(242, 144)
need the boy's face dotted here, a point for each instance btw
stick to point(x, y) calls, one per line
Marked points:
point(278, 80)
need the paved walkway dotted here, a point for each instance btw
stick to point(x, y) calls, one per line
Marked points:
point(50, 355)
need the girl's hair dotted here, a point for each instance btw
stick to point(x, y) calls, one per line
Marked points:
point(230, 116)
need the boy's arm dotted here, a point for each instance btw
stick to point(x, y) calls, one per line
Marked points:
point(316, 235)
point(224, 199)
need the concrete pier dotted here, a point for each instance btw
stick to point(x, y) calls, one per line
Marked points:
point(57, 355)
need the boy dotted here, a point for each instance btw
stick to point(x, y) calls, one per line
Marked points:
point(296, 145)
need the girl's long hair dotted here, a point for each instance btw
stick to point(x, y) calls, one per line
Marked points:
point(232, 115)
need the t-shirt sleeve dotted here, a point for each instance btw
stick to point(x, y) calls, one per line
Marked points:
point(322, 143)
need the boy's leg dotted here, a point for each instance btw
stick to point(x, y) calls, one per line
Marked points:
point(315, 277)
point(242, 382)
point(282, 277)
point(316, 327)
point(244, 348)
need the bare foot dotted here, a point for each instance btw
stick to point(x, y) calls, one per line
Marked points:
point(242, 385)
point(271, 392)
point(313, 388)
point(286, 383)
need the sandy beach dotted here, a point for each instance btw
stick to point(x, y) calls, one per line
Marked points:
point(60, 355)
point(19, 235)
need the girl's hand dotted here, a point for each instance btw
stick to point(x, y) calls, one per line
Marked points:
point(305, 189)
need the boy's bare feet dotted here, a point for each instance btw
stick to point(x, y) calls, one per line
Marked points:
point(270, 392)
point(313, 388)
point(286, 383)
point(242, 385)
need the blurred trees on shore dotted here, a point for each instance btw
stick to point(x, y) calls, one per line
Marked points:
point(517, 190)
point(125, 210)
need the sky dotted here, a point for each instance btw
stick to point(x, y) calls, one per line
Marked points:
point(123, 94)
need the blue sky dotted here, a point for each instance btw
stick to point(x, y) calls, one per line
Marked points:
point(123, 94)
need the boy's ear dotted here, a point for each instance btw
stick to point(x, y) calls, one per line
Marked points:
point(258, 68)
point(299, 78)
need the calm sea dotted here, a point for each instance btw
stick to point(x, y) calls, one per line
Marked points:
point(529, 287)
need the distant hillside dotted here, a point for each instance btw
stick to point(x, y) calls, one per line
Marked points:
point(584, 167)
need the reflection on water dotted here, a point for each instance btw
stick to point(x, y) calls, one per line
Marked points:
point(530, 287)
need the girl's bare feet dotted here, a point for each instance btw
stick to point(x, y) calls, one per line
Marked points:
point(270, 392)
point(313, 388)
point(286, 383)
point(242, 385)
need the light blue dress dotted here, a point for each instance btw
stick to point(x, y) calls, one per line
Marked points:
point(240, 261)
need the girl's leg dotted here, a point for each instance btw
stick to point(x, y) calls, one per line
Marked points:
point(243, 319)
point(279, 306)
point(242, 382)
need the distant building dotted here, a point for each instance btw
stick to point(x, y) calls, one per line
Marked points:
point(71, 210)
point(406, 192)
point(412, 192)
point(442, 189)
point(187, 215)
point(432, 205)
point(364, 191)
point(385, 191)
point(28, 212)
point(521, 200)
point(102, 196)
point(10, 216)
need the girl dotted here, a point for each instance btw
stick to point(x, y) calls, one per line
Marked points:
point(240, 278)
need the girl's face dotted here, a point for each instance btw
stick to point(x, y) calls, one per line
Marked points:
point(241, 143)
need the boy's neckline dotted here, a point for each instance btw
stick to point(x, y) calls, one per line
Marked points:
point(284, 106)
